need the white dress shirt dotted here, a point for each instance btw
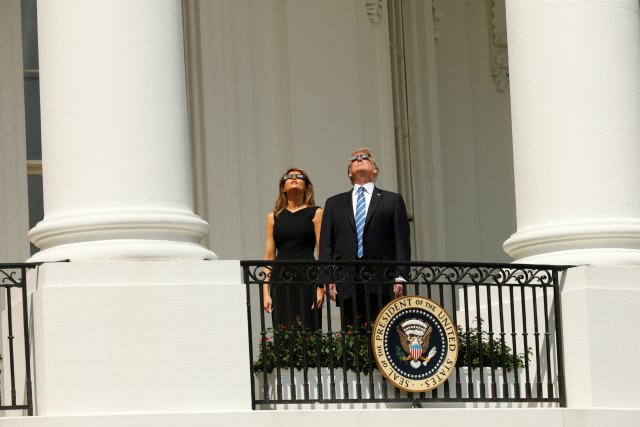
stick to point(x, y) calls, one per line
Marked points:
point(368, 191)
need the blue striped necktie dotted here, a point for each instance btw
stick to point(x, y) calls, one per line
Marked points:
point(361, 215)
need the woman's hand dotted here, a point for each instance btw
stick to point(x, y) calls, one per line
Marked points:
point(319, 298)
point(266, 303)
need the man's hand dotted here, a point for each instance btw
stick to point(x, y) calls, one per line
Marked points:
point(398, 290)
point(333, 291)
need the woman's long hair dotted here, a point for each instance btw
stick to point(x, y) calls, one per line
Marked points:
point(281, 201)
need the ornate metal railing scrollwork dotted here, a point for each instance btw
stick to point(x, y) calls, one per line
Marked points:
point(507, 316)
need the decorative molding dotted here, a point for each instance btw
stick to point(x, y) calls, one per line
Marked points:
point(437, 16)
point(374, 10)
point(608, 242)
point(499, 51)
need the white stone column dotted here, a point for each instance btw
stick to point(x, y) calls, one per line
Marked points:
point(116, 165)
point(575, 102)
point(575, 99)
point(138, 323)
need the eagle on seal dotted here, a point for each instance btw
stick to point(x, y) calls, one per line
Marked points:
point(414, 337)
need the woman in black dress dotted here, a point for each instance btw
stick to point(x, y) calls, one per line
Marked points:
point(293, 232)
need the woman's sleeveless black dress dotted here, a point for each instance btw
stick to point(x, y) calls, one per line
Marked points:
point(295, 239)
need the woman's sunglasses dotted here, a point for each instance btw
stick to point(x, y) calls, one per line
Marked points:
point(294, 175)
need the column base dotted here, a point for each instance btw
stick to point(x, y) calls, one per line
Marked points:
point(124, 249)
point(121, 235)
point(140, 337)
point(603, 243)
point(593, 257)
point(599, 313)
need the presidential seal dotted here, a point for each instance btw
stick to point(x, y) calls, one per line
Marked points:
point(415, 343)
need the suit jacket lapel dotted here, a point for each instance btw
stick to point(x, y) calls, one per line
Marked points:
point(376, 197)
point(349, 201)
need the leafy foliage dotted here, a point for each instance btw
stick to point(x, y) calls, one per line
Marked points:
point(478, 348)
point(298, 348)
point(294, 347)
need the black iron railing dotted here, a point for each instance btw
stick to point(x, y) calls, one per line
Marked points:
point(508, 321)
point(16, 383)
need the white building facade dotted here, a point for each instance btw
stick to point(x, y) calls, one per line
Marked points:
point(165, 126)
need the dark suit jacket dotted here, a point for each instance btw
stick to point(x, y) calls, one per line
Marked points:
point(386, 230)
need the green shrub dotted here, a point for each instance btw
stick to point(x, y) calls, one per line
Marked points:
point(476, 347)
point(298, 348)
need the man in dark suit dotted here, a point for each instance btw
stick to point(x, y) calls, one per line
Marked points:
point(366, 223)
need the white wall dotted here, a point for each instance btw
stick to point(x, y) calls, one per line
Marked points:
point(475, 131)
point(14, 216)
point(278, 84)
point(301, 83)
